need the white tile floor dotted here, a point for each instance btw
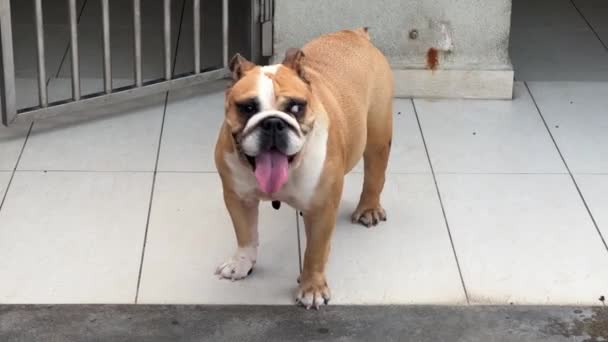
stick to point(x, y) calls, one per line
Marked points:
point(124, 205)
point(4, 179)
point(126, 139)
point(407, 260)
point(190, 234)
point(488, 136)
point(577, 115)
point(11, 144)
point(72, 237)
point(190, 130)
point(524, 239)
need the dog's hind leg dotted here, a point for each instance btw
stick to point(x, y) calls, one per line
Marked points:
point(369, 212)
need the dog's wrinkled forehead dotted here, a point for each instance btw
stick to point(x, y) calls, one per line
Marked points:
point(269, 86)
point(262, 87)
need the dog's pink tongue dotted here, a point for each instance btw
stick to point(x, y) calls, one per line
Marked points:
point(271, 171)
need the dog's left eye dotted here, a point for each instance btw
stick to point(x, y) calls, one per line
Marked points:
point(296, 108)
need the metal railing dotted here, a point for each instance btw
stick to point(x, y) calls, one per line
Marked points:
point(109, 95)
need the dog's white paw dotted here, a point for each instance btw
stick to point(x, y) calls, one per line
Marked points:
point(239, 265)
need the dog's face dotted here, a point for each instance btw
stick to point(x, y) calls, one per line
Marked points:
point(268, 111)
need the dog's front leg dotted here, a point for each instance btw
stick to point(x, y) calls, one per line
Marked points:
point(244, 215)
point(320, 223)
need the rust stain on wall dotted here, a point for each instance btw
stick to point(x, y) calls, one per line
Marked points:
point(432, 59)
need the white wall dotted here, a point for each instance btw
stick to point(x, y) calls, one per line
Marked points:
point(473, 34)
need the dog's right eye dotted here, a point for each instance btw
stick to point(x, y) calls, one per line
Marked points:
point(248, 108)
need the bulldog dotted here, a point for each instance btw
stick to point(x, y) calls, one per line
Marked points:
point(291, 132)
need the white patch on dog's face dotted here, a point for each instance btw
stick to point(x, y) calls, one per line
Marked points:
point(266, 87)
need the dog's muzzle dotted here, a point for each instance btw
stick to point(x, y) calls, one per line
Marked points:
point(274, 135)
point(271, 131)
point(271, 141)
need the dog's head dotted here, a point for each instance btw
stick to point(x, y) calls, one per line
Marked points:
point(269, 113)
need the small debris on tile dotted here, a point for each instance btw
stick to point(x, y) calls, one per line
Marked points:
point(323, 330)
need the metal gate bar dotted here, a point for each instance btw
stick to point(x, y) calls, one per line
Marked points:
point(74, 48)
point(137, 42)
point(109, 95)
point(167, 39)
point(107, 57)
point(225, 32)
point(196, 26)
point(42, 91)
point(8, 97)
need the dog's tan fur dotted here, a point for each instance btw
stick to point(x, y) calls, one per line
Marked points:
point(349, 88)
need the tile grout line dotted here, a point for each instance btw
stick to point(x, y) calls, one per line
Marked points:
point(445, 218)
point(589, 24)
point(580, 193)
point(10, 180)
point(160, 141)
point(154, 173)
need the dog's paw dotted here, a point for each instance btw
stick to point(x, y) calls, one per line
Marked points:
point(369, 216)
point(313, 292)
point(238, 266)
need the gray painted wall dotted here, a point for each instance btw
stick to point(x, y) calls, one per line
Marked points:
point(478, 29)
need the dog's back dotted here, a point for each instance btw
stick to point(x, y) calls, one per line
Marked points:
point(359, 77)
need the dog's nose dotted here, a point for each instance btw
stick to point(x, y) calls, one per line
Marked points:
point(273, 125)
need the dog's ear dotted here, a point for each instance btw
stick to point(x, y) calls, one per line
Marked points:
point(239, 65)
point(293, 60)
